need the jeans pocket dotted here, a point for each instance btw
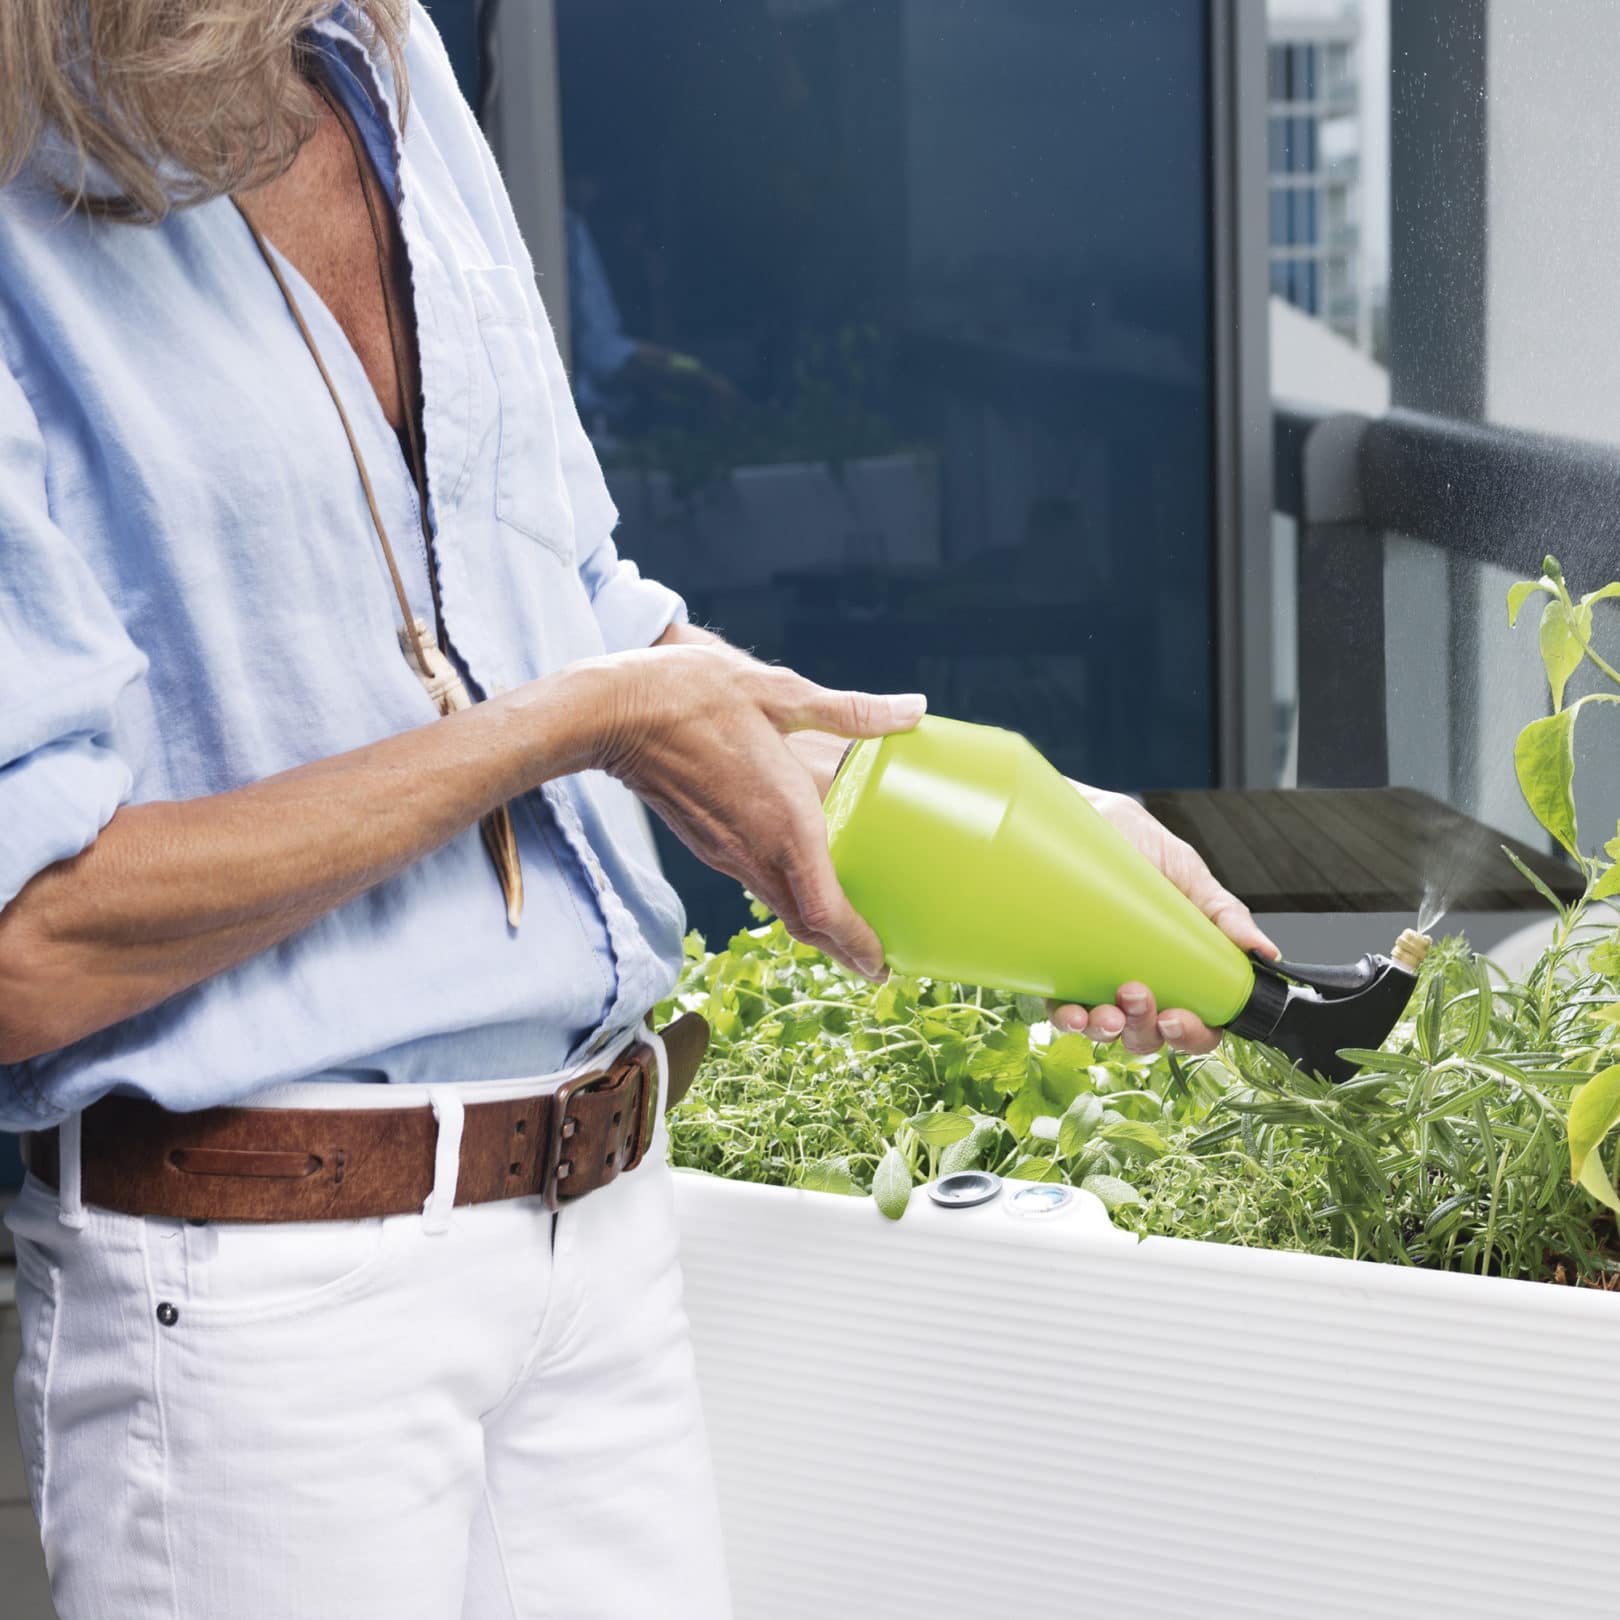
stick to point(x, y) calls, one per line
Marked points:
point(38, 1290)
point(237, 1272)
point(531, 493)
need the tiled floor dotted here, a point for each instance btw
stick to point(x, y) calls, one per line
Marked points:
point(22, 1573)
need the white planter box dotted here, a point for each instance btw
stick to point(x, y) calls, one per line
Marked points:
point(969, 1415)
point(878, 511)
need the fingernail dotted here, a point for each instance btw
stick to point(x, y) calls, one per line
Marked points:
point(1133, 1001)
point(908, 708)
point(871, 966)
point(1067, 1019)
point(1170, 1029)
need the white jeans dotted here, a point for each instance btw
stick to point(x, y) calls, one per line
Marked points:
point(368, 1420)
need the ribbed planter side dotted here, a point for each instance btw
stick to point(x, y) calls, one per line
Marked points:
point(971, 1415)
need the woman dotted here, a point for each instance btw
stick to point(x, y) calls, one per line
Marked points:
point(346, 1262)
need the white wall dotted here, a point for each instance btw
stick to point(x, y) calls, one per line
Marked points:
point(1554, 229)
point(1553, 331)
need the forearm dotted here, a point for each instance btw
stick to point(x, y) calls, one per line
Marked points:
point(172, 893)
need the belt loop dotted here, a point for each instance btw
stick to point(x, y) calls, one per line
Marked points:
point(70, 1174)
point(449, 1111)
point(656, 1042)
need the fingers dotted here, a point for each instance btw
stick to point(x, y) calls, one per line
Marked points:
point(1135, 1021)
point(1107, 1023)
point(1236, 921)
point(1103, 1024)
point(801, 705)
point(1140, 1034)
point(1186, 1032)
point(819, 913)
point(1068, 1019)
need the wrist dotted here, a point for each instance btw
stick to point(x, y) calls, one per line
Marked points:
point(579, 718)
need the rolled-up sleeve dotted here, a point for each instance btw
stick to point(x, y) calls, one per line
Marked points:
point(632, 611)
point(65, 660)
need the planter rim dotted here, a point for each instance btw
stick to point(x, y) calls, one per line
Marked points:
point(1094, 1232)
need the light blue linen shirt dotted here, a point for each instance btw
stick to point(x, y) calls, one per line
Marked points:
point(192, 598)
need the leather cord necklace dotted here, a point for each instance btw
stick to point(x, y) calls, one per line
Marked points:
point(423, 647)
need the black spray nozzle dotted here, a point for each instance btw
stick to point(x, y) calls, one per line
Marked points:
point(1309, 1012)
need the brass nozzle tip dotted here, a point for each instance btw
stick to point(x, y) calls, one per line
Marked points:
point(1411, 948)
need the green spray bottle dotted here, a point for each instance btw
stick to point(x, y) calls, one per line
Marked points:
point(975, 860)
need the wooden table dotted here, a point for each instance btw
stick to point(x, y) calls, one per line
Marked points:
point(1356, 849)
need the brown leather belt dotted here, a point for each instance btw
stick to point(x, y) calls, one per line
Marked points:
point(319, 1164)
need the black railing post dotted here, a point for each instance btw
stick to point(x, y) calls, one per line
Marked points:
point(1343, 717)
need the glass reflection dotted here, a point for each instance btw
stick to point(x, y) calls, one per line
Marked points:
point(890, 321)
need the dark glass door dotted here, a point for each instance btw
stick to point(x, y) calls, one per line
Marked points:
point(891, 321)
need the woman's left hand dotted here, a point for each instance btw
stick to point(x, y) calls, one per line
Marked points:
point(1133, 1018)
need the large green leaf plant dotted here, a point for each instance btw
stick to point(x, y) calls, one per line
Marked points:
point(1544, 759)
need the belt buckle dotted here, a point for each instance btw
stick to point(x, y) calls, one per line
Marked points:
point(635, 1067)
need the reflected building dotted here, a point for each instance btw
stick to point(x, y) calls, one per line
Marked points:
point(1314, 154)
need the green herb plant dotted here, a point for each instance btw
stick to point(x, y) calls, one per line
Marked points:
point(817, 1079)
point(1453, 1147)
point(1544, 759)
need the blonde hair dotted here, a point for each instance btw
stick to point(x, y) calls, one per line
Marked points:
point(171, 102)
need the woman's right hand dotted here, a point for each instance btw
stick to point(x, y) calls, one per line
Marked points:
point(697, 729)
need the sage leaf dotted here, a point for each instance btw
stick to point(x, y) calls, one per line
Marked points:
point(1114, 1193)
point(829, 1176)
point(1608, 886)
point(891, 1184)
point(1034, 1168)
point(940, 1130)
point(968, 1154)
point(1594, 1110)
point(1134, 1137)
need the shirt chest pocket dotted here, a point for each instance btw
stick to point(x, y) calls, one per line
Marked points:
point(531, 494)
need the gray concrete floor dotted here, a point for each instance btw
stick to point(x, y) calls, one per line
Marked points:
point(22, 1570)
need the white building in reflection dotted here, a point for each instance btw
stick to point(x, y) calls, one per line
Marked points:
point(1314, 159)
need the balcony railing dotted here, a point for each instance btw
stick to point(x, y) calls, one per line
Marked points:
point(1478, 492)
